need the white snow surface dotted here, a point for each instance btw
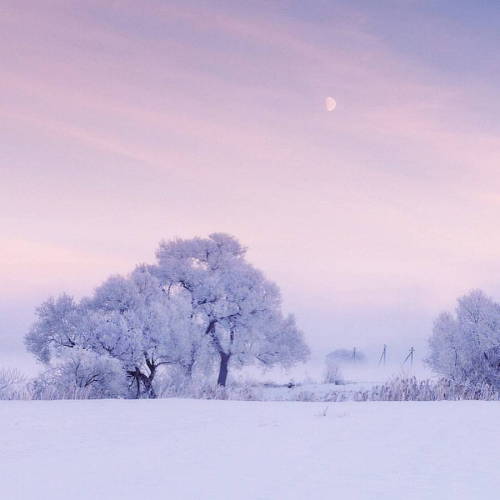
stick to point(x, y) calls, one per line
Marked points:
point(198, 449)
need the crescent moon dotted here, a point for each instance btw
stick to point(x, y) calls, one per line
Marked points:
point(330, 103)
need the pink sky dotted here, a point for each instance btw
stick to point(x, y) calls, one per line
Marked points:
point(126, 122)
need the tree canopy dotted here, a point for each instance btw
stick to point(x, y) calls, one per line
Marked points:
point(202, 305)
point(465, 346)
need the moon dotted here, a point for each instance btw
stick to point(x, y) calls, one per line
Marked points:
point(330, 103)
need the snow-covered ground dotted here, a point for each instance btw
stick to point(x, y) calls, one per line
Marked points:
point(309, 391)
point(196, 449)
point(360, 377)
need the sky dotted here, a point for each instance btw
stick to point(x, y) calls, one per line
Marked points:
point(123, 123)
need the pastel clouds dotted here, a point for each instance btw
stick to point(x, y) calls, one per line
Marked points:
point(127, 122)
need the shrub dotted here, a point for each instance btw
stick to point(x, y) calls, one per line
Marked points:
point(81, 374)
point(333, 374)
point(411, 389)
point(12, 383)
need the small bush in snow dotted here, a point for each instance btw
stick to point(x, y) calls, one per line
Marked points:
point(307, 396)
point(81, 374)
point(245, 392)
point(12, 383)
point(333, 374)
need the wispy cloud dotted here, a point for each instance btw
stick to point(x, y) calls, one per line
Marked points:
point(154, 119)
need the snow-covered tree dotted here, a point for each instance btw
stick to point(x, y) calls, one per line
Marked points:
point(130, 319)
point(58, 326)
point(233, 305)
point(137, 321)
point(202, 305)
point(466, 346)
point(342, 356)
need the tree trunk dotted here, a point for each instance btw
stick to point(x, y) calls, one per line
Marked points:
point(223, 368)
point(146, 381)
point(135, 375)
point(149, 389)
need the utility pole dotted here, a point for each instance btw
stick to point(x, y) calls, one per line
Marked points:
point(410, 356)
point(383, 356)
point(354, 354)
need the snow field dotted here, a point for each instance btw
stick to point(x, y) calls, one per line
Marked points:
point(197, 449)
